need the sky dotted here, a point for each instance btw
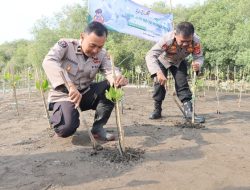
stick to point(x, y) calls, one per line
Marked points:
point(18, 17)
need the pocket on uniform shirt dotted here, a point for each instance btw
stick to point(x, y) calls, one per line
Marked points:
point(70, 67)
point(57, 116)
point(93, 74)
point(94, 70)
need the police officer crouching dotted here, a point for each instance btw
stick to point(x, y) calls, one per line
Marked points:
point(80, 61)
point(169, 55)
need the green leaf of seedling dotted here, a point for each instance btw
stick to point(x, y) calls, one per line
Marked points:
point(7, 76)
point(30, 76)
point(108, 96)
point(45, 85)
point(200, 83)
point(114, 95)
point(12, 79)
point(38, 85)
point(42, 85)
point(119, 94)
point(17, 78)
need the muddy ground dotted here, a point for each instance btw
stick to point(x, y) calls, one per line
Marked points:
point(216, 157)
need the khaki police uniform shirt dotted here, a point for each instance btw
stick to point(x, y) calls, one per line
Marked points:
point(66, 56)
point(169, 53)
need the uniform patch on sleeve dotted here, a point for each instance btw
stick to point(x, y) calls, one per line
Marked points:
point(172, 49)
point(190, 48)
point(63, 44)
point(197, 48)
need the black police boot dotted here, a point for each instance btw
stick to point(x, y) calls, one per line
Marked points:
point(156, 114)
point(188, 109)
point(102, 114)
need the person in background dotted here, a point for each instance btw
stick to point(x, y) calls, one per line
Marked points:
point(169, 55)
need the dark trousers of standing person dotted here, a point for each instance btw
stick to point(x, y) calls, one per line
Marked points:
point(182, 90)
point(65, 117)
point(181, 83)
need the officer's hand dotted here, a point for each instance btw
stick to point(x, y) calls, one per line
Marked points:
point(196, 66)
point(161, 78)
point(120, 81)
point(74, 95)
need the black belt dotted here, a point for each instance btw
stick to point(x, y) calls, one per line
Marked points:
point(62, 88)
point(84, 90)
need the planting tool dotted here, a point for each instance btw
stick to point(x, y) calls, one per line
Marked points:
point(179, 106)
point(194, 95)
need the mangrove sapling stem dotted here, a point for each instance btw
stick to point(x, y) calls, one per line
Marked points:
point(42, 86)
point(241, 88)
point(28, 82)
point(234, 78)
point(118, 116)
point(228, 80)
point(13, 78)
point(217, 90)
point(15, 97)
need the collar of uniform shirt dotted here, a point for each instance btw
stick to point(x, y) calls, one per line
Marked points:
point(85, 56)
point(80, 52)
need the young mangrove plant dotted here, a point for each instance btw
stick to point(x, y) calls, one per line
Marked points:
point(42, 85)
point(115, 95)
point(12, 79)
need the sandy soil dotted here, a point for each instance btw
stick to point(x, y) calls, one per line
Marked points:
point(216, 157)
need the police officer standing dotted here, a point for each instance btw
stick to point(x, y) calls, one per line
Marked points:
point(80, 60)
point(169, 55)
